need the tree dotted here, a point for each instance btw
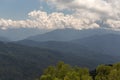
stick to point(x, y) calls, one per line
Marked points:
point(64, 71)
point(114, 74)
point(103, 72)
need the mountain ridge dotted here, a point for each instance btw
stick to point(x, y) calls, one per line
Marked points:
point(69, 34)
point(107, 43)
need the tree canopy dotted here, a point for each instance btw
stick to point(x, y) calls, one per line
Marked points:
point(64, 71)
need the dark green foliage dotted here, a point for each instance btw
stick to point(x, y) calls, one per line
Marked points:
point(65, 72)
point(103, 72)
point(108, 72)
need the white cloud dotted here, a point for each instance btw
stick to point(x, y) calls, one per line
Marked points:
point(100, 6)
point(114, 24)
point(86, 14)
point(42, 20)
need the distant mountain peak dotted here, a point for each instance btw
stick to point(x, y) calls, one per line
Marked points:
point(69, 34)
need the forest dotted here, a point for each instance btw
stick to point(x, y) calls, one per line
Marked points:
point(64, 71)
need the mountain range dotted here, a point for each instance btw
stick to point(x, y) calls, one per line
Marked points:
point(98, 40)
point(26, 59)
point(88, 44)
point(70, 34)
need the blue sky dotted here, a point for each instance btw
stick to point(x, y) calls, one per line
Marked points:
point(17, 9)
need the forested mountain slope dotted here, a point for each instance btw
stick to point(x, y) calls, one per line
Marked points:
point(107, 44)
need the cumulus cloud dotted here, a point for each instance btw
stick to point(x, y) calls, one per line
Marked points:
point(114, 24)
point(42, 20)
point(92, 5)
point(86, 14)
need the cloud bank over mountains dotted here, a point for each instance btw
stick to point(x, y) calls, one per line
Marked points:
point(85, 14)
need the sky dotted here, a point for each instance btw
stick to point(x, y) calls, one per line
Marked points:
point(17, 9)
point(59, 14)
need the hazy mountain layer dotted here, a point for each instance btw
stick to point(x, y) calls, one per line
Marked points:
point(76, 51)
point(69, 34)
point(4, 39)
point(107, 44)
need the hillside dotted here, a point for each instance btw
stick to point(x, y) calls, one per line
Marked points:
point(107, 44)
point(82, 55)
point(24, 63)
